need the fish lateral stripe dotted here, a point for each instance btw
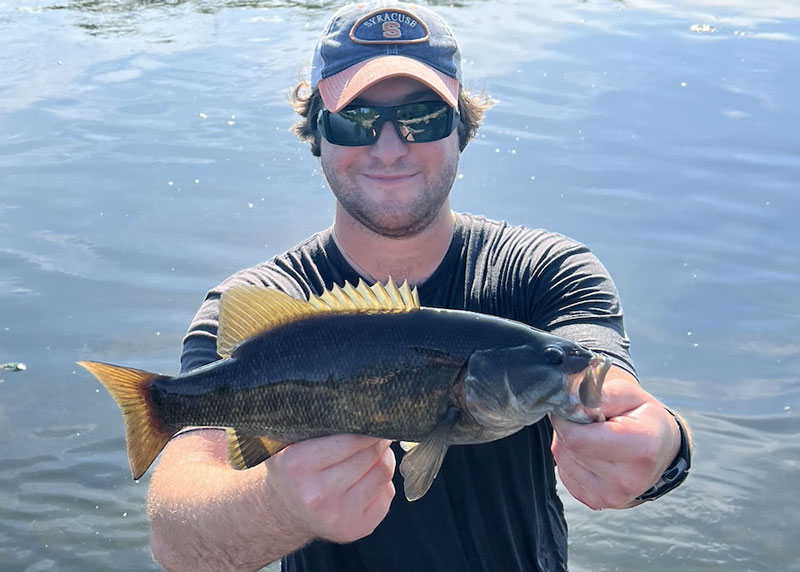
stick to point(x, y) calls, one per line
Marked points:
point(247, 311)
point(145, 435)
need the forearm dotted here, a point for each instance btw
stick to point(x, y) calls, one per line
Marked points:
point(206, 516)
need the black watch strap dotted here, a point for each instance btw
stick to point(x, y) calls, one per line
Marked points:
point(678, 470)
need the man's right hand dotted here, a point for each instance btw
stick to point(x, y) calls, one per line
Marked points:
point(205, 515)
point(337, 488)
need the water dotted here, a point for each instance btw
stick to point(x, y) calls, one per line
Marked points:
point(145, 155)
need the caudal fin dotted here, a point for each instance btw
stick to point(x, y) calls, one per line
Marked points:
point(146, 436)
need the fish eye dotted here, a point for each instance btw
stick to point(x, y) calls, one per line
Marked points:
point(554, 355)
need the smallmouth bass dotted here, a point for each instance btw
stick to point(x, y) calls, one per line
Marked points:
point(366, 360)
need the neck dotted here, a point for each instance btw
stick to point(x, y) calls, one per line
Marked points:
point(377, 257)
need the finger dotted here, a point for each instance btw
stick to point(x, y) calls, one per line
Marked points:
point(622, 394)
point(597, 484)
point(624, 404)
point(601, 485)
point(373, 482)
point(569, 458)
point(375, 511)
point(619, 438)
point(349, 471)
point(332, 449)
point(579, 481)
point(579, 463)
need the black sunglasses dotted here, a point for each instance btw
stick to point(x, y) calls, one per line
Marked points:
point(358, 125)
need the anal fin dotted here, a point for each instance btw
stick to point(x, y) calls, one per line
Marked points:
point(246, 451)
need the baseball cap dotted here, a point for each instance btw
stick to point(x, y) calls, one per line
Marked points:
point(368, 42)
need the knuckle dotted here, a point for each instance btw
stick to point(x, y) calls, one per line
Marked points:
point(387, 466)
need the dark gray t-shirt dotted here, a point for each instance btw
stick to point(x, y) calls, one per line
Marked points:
point(493, 506)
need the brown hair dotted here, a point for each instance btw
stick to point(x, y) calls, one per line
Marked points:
point(308, 102)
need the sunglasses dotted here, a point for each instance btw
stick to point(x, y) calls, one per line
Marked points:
point(358, 125)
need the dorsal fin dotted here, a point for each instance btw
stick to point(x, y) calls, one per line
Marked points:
point(246, 311)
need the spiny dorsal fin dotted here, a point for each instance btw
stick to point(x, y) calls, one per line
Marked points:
point(376, 298)
point(246, 311)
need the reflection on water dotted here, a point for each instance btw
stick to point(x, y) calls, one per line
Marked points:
point(199, 6)
point(145, 155)
point(112, 18)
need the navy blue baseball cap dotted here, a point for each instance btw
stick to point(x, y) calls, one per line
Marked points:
point(371, 41)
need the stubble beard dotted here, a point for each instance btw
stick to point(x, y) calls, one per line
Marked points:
point(394, 220)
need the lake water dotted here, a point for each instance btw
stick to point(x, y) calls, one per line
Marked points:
point(145, 155)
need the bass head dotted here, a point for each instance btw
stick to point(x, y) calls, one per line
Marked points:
point(510, 387)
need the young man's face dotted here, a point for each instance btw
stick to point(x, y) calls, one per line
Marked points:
point(395, 189)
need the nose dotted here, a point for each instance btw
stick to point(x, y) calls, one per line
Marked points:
point(388, 147)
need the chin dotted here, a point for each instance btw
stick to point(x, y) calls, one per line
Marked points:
point(396, 225)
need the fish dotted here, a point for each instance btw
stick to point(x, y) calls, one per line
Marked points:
point(366, 360)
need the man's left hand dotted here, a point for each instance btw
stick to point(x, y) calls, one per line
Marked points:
point(609, 464)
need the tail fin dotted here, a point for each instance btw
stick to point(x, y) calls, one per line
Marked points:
point(146, 436)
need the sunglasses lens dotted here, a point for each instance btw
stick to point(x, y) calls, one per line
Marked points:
point(353, 126)
point(415, 122)
point(424, 122)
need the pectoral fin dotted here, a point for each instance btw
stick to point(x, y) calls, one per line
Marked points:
point(246, 451)
point(421, 464)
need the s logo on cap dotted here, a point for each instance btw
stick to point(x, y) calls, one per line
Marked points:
point(391, 30)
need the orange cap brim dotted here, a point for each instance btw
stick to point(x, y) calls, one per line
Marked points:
point(340, 89)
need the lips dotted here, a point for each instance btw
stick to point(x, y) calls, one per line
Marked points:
point(388, 177)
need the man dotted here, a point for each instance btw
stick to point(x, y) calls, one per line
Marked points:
point(388, 118)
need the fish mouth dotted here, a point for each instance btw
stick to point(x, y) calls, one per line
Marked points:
point(590, 387)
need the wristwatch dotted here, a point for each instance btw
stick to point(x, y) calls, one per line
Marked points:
point(678, 470)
